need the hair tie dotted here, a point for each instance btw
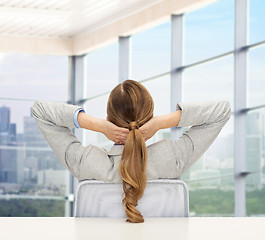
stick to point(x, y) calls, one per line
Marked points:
point(133, 125)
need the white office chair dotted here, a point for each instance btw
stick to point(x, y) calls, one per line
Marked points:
point(162, 198)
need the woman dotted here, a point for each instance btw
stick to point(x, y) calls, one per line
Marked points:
point(129, 123)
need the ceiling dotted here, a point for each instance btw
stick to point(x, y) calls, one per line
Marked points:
point(63, 18)
point(74, 27)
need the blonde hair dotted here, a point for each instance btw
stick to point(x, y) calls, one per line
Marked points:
point(130, 105)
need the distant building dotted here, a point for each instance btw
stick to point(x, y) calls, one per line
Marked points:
point(30, 168)
point(32, 134)
point(254, 143)
point(223, 147)
point(211, 162)
point(11, 164)
point(11, 159)
point(4, 119)
point(51, 177)
point(39, 155)
point(207, 173)
point(12, 134)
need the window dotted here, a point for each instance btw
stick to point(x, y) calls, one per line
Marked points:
point(256, 77)
point(100, 111)
point(218, 160)
point(26, 76)
point(159, 89)
point(255, 194)
point(212, 198)
point(256, 21)
point(210, 81)
point(102, 70)
point(150, 51)
point(255, 144)
point(28, 167)
point(209, 31)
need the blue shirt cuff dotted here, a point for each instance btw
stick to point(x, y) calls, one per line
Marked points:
point(75, 116)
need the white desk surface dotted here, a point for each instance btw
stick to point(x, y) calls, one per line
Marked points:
point(64, 228)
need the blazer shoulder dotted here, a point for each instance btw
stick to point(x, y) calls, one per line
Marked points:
point(161, 144)
point(95, 164)
point(159, 151)
point(162, 162)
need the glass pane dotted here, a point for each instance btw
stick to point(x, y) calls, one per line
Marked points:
point(255, 195)
point(218, 160)
point(256, 21)
point(97, 107)
point(256, 77)
point(159, 89)
point(212, 198)
point(210, 81)
point(28, 76)
point(151, 52)
point(102, 70)
point(31, 208)
point(255, 144)
point(28, 166)
point(209, 31)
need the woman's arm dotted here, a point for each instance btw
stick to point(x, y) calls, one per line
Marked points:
point(55, 120)
point(160, 122)
point(110, 130)
point(206, 118)
point(169, 120)
point(88, 122)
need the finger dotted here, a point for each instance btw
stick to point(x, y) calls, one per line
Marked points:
point(124, 130)
point(123, 140)
point(123, 135)
point(118, 134)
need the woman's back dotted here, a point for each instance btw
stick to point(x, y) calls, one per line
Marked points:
point(131, 106)
point(160, 163)
point(166, 158)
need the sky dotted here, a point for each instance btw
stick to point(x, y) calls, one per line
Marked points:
point(207, 32)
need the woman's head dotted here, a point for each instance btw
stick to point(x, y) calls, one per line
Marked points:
point(130, 105)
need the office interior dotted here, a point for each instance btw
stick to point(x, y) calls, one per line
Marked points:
point(77, 51)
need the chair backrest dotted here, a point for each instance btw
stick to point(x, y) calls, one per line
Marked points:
point(162, 198)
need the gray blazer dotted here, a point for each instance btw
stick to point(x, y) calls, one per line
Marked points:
point(166, 158)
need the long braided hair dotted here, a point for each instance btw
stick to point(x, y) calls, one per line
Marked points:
point(130, 105)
